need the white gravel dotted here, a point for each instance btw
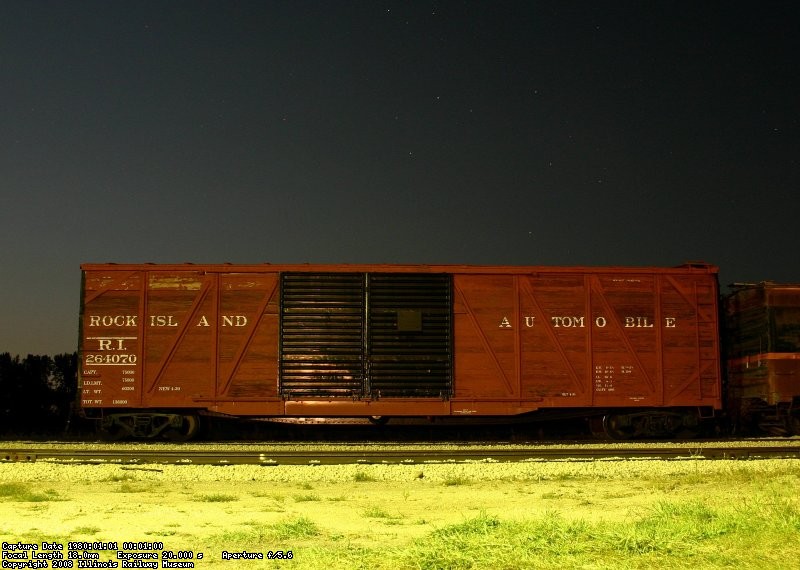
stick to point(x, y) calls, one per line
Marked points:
point(45, 471)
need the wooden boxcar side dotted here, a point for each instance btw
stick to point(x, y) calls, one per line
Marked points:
point(382, 340)
point(590, 338)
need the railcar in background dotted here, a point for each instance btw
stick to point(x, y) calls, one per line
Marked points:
point(762, 342)
point(634, 350)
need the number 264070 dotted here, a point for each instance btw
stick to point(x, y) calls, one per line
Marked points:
point(110, 359)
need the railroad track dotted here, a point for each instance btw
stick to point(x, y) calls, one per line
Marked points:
point(311, 455)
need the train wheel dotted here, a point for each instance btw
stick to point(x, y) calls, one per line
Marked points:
point(616, 427)
point(188, 429)
point(794, 424)
point(596, 428)
point(111, 428)
point(378, 420)
point(113, 432)
point(775, 425)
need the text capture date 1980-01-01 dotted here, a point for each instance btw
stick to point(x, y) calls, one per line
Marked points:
point(114, 554)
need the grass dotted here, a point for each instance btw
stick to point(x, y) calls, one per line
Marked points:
point(376, 512)
point(22, 493)
point(306, 498)
point(671, 534)
point(216, 498)
point(455, 481)
point(86, 530)
point(119, 477)
point(362, 477)
point(134, 488)
point(740, 515)
point(12, 490)
point(758, 533)
point(547, 542)
point(298, 527)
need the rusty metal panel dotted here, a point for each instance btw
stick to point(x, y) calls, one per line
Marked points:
point(762, 323)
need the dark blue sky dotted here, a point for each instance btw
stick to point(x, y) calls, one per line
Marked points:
point(529, 133)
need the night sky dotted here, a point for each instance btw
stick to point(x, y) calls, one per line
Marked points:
point(524, 133)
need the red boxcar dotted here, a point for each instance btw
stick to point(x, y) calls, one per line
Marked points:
point(763, 356)
point(160, 344)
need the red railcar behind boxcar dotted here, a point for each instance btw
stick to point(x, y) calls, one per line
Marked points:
point(763, 356)
point(162, 344)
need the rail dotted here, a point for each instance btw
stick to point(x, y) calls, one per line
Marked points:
point(309, 455)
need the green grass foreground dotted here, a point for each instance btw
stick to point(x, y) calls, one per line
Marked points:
point(623, 515)
point(759, 533)
point(673, 535)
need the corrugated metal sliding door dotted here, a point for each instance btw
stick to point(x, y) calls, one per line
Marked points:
point(366, 335)
point(322, 334)
point(409, 335)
